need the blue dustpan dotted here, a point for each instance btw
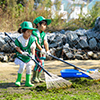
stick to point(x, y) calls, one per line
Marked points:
point(67, 73)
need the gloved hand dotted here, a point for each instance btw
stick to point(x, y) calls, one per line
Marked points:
point(43, 51)
point(33, 56)
point(24, 53)
point(48, 53)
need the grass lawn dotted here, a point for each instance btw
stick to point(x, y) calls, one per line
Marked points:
point(81, 89)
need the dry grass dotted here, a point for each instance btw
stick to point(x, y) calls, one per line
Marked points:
point(12, 15)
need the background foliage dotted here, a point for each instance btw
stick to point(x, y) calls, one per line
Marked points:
point(14, 12)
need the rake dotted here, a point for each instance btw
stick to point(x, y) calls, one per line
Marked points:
point(92, 74)
point(56, 82)
point(52, 81)
point(30, 56)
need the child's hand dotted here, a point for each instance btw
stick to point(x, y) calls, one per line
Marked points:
point(48, 53)
point(25, 53)
point(33, 56)
point(43, 51)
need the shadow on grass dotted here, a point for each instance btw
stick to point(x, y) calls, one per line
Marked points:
point(7, 85)
point(37, 87)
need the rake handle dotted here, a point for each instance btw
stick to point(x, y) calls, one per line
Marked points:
point(30, 56)
point(39, 65)
point(64, 61)
point(67, 63)
point(9, 37)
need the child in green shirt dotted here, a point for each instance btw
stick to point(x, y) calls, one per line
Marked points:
point(25, 44)
point(41, 24)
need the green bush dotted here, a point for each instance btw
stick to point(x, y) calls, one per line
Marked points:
point(86, 21)
point(13, 13)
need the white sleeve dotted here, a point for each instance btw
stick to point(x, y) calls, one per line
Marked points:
point(45, 38)
point(33, 45)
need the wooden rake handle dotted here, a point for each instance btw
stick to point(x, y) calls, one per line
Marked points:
point(29, 56)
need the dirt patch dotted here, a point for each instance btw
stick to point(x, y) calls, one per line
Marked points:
point(8, 73)
point(56, 66)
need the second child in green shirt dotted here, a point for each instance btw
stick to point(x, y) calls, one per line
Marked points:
point(41, 25)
